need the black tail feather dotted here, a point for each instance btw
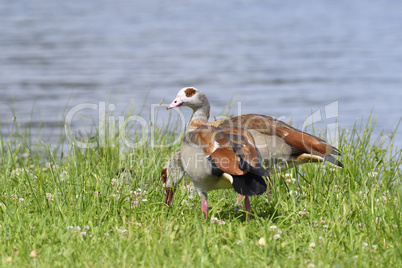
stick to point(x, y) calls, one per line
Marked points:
point(249, 184)
point(335, 151)
point(333, 160)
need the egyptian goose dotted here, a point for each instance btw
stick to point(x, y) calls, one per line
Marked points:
point(218, 157)
point(281, 146)
point(223, 157)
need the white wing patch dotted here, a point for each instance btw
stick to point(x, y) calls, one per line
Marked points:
point(216, 146)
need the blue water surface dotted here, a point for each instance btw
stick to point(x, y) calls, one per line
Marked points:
point(286, 59)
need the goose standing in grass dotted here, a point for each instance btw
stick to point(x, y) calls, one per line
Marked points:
point(281, 146)
point(223, 157)
point(219, 157)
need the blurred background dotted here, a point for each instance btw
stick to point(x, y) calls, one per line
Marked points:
point(286, 59)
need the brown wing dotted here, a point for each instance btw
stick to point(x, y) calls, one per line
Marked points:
point(242, 142)
point(267, 125)
point(225, 146)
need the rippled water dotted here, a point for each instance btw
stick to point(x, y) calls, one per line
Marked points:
point(281, 58)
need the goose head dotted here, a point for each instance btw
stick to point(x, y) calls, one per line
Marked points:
point(190, 97)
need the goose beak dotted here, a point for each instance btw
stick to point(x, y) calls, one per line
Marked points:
point(175, 103)
point(169, 196)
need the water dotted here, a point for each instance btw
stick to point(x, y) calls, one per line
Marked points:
point(281, 58)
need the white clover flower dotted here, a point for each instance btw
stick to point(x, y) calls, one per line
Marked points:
point(122, 231)
point(273, 228)
point(311, 265)
point(277, 236)
point(302, 213)
point(144, 200)
point(374, 247)
point(238, 242)
point(261, 241)
point(138, 223)
point(87, 227)
point(50, 197)
point(312, 245)
point(106, 234)
point(221, 222)
point(21, 200)
point(365, 244)
point(14, 196)
point(115, 182)
point(83, 234)
point(214, 219)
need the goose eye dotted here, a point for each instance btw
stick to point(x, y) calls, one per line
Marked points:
point(175, 101)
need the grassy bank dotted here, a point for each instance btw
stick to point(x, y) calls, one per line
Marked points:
point(98, 207)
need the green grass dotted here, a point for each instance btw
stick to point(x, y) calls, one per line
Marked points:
point(74, 210)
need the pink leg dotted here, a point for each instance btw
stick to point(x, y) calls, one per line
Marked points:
point(239, 199)
point(248, 207)
point(204, 207)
